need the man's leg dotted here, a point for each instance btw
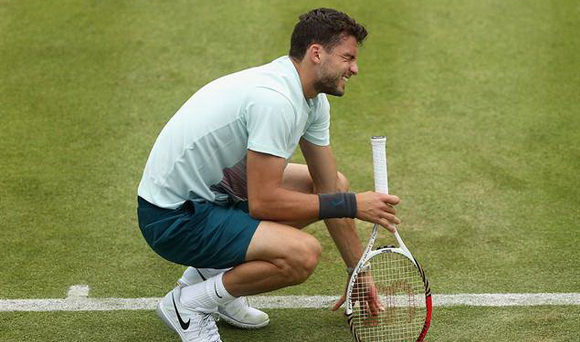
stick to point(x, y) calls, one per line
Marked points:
point(278, 256)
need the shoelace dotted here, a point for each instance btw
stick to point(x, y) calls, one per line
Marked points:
point(207, 325)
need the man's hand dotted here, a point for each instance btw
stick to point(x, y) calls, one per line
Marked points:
point(378, 208)
point(365, 292)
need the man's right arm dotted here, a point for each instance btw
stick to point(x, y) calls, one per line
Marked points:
point(268, 200)
point(266, 197)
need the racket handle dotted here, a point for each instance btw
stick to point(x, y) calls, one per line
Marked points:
point(379, 145)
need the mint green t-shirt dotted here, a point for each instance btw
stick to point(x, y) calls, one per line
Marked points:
point(201, 152)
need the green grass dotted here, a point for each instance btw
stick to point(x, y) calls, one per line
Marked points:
point(545, 324)
point(479, 99)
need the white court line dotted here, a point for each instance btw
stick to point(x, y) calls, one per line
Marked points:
point(78, 300)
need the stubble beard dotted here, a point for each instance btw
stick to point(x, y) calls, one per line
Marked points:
point(328, 83)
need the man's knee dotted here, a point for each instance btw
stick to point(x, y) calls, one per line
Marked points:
point(342, 182)
point(301, 263)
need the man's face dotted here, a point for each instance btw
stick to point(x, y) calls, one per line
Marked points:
point(337, 66)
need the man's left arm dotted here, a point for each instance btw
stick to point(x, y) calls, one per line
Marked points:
point(322, 168)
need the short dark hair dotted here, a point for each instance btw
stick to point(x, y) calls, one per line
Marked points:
point(326, 27)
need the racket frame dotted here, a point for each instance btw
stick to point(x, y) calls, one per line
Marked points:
point(381, 185)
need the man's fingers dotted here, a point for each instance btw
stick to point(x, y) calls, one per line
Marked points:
point(374, 306)
point(338, 303)
point(391, 218)
point(377, 303)
point(375, 299)
point(390, 199)
point(390, 209)
point(386, 224)
point(378, 208)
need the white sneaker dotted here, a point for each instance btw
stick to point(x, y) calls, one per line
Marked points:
point(192, 325)
point(238, 312)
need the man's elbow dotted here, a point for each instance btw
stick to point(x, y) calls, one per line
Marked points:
point(258, 209)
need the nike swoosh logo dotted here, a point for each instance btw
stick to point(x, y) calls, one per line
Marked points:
point(337, 203)
point(183, 324)
point(201, 275)
point(215, 289)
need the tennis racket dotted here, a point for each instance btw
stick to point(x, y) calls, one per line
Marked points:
point(392, 274)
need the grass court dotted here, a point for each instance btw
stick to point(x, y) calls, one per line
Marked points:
point(480, 101)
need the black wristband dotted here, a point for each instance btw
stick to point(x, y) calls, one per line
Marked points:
point(337, 205)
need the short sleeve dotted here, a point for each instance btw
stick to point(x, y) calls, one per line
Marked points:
point(318, 130)
point(271, 123)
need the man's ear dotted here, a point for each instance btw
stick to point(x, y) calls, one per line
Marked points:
point(313, 53)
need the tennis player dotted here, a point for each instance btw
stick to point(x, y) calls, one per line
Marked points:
point(219, 195)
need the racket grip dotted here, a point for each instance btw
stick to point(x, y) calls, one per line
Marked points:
point(379, 146)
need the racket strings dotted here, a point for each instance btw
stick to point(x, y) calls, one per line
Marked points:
point(401, 291)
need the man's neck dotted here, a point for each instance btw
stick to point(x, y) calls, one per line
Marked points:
point(306, 79)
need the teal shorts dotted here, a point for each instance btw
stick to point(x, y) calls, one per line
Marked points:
point(198, 234)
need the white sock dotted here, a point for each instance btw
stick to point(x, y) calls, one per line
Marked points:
point(195, 275)
point(210, 272)
point(207, 294)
